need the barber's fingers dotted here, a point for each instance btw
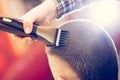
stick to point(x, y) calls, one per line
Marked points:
point(27, 23)
point(28, 26)
point(28, 40)
point(45, 22)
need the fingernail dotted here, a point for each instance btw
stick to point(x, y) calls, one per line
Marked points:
point(29, 42)
point(27, 30)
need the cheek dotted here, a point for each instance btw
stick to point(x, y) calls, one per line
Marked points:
point(53, 65)
point(51, 62)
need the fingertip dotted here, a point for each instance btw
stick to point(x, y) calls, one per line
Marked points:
point(28, 40)
point(27, 26)
point(27, 30)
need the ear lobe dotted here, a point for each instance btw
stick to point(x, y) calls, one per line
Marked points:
point(60, 78)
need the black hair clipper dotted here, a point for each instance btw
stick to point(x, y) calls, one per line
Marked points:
point(49, 35)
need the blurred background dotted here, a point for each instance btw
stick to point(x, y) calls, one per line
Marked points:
point(18, 60)
point(21, 61)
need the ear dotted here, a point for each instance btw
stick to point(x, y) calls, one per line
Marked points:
point(60, 78)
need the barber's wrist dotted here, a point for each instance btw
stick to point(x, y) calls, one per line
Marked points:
point(56, 4)
point(52, 8)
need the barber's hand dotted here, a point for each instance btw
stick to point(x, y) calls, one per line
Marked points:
point(41, 14)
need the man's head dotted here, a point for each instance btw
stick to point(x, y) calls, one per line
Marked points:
point(89, 54)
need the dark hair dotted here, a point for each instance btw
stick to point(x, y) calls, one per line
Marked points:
point(89, 51)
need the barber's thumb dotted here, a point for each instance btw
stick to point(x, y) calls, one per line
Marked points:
point(27, 26)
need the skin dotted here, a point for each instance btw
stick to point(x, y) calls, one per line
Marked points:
point(41, 14)
point(59, 68)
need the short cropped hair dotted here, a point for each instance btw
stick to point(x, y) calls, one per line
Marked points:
point(89, 51)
